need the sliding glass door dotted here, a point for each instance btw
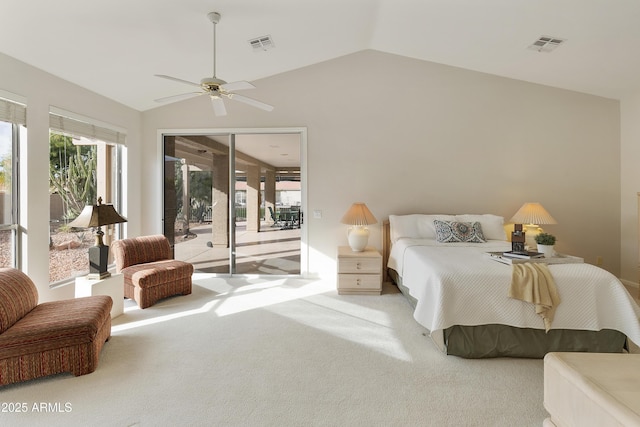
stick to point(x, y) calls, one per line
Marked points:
point(267, 207)
point(233, 202)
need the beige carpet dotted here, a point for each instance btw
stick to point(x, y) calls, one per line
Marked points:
point(284, 352)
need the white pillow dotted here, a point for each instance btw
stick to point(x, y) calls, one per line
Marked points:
point(414, 226)
point(403, 226)
point(492, 225)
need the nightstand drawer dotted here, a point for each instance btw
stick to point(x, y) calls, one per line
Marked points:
point(360, 281)
point(359, 265)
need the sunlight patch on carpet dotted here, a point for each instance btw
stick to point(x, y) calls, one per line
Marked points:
point(358, 324)
point(227, 299)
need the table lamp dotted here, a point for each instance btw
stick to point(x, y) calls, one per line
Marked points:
point(531, 215)
point(358, 216)
point(96, 216)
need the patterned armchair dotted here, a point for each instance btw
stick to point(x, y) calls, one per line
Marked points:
point(150, 274)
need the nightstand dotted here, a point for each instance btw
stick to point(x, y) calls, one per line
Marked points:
point(359, 272)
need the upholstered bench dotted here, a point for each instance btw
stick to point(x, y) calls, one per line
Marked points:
point(150, 273)
point(37, 340)
point(592, 389)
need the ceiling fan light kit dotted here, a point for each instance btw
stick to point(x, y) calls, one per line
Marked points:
point(216, 88)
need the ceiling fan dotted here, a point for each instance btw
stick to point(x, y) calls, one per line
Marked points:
point(216, 88)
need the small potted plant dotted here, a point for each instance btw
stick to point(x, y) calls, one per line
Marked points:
point(545, 243)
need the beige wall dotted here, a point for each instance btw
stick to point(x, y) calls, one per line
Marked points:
point(460, 141)
point(401, 135)
point(630, 178)
point(406, 136)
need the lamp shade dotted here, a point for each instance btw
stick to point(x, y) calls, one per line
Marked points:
point(358, 214)
point(532, 213)
point(97, 216)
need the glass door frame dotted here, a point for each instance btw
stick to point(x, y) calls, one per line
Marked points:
point(231, 133)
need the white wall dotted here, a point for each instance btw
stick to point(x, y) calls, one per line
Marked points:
point(408, 136)
point(630, 178)
point(42, 90)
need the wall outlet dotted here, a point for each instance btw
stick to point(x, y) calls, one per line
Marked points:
point(317, 214)
point(599, 261)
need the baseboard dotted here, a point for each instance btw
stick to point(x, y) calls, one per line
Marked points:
point(630, 284)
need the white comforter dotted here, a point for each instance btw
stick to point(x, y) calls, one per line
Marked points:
point(457, 284)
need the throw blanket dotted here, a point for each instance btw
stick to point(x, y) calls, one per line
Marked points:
point(533, 283)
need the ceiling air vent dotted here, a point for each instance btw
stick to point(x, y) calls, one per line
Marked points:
point(546, 43)
point(261, 43)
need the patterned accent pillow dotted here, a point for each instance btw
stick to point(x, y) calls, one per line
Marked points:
point(453, 231)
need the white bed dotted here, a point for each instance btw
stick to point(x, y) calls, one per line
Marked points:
point(457, 284)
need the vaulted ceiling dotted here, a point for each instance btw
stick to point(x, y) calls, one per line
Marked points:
point(115, 47)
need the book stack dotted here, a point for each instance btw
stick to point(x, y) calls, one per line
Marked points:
point(523, 254)
point(504, 258)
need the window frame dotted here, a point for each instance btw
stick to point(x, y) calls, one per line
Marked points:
point(110, 144)
point(14, 114)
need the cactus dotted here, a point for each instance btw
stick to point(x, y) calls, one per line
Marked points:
point(73, 176)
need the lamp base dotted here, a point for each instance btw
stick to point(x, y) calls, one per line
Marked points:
point(358, 238)
point(531, 231)
point(98, 262)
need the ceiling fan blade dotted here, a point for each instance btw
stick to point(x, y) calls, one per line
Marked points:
point(177, 97)
point(239, 85)
point(175, 79)
point(218, 106)
point(251, 101)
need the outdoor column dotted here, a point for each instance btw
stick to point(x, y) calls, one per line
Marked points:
point(269, 194)
point(186, 199)
point(253, 198)
point(220, 201)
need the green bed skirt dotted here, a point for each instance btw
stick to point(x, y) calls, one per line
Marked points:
point(486, 341)
point(476, 342)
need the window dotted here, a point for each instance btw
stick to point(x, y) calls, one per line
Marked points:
point(12, 129)
point(85, 163)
